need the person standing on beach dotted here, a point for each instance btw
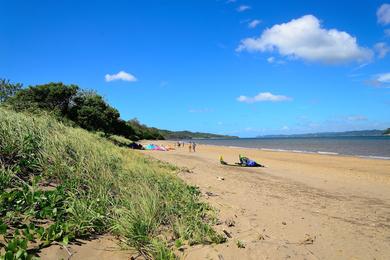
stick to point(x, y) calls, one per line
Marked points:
point(193, 146)
point(189, 147)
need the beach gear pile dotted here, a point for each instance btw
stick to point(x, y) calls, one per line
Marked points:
point(155, 147)
point(136, 146)
point(244, 162)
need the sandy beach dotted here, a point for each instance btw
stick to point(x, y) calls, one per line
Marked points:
point(301, 206)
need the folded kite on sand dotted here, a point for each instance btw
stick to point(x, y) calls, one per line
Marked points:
point(244, 162)
point(157, 147)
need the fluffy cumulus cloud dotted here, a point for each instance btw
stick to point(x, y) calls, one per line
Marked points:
point(304, 38)
point(381, 49)
point(243, 8)
point(252, 24)
point(121, 75)
point(263, 97)
point(383, 14)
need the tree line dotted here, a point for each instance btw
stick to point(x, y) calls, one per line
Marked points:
point(84, 108)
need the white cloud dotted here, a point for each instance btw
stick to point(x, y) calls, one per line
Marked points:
point(380, 80)
point(271, 59)
point(243, 8)
point(383, 78)
point(381, 49)
point(262, 97)
point(383, 14)
point(304, 38)
point(387, 32)
point(254, 23)
point(121, 75)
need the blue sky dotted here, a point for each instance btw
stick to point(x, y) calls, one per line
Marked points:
point(239, 67)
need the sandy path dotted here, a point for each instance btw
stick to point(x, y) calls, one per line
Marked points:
point(103, 247)
point(339, 205)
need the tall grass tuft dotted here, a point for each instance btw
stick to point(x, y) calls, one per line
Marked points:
point(100, 188)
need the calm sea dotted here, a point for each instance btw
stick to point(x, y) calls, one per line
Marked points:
point(377, 147)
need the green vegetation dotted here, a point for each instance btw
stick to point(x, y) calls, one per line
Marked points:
point(190, 135)
point(83, 108)
point(8, 89)
point(59, 183)
point(86, 109)
point(387, 131)
point(240, 244)
point(147, 133)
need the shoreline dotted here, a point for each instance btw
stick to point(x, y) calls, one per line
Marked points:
point(373, 157)
point(370, 157)
point(299, 206)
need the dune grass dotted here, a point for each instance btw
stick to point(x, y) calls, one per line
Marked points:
point(59, 183)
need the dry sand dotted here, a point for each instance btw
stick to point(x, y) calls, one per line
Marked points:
point(103, 247)
point(301, 206)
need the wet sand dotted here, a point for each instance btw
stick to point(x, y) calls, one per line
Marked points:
point(301, 206)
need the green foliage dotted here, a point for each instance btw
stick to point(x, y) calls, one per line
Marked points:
point(85, 108)
point(144, 132)
point(91, 112)
point(191, 135)
point(119, 140)
point(387, 131)
point(240, 244)
point(95, 187)
point(8, 89)
point(53, 97)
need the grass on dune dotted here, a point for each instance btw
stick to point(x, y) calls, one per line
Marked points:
point(98, 188)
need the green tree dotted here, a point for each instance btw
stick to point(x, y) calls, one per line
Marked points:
point(387, 131)
point(85, 108)
point(54, 97)
point(8, 89)
point(90, 111)
point(144, 132)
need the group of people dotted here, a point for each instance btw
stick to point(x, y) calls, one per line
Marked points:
point(243, 160)
point(191, 146)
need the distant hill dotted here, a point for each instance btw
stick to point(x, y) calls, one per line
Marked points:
point(151, 133)
point(335, 134)
point(191, 135)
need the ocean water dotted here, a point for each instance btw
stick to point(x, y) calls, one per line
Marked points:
point(376, 147)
